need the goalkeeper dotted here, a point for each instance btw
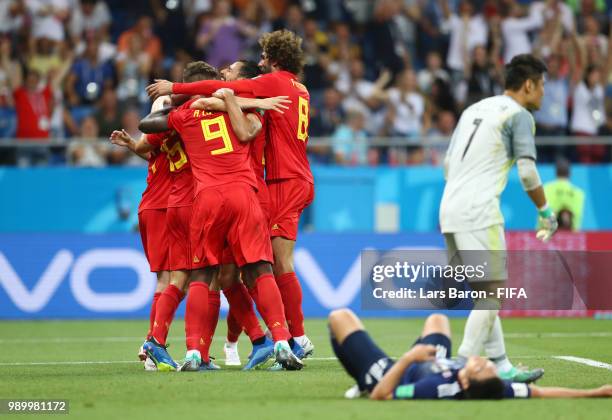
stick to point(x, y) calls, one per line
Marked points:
point(490, 137)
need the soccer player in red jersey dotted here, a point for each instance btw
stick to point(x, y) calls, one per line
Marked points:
point(229, 275)
point(288, 174)
point(226, 212)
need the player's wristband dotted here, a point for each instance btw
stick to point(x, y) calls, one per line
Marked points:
point(545, 212)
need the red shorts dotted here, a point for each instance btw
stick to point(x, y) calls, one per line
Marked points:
point(264, 201)
point(179, 254)
point(263, 196)
point(288, 198)
point(228, 217)
point(153, 232)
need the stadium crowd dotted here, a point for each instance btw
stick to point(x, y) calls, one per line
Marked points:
point(77, 69)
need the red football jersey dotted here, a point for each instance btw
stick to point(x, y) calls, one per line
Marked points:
point(257, 152)
point(155, 196)
point(181, 190)
point(287, 133)
point(216, 155)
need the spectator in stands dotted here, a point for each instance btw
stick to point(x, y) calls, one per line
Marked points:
point(86, 151)
point(382, 39)
point(108, 115)
point(316, 47)
point(431, 72)
point(406, 106)
point(89, 77)
point(222, 36)
point(48, 18)
point(329, 116)
point(33, 104)
point(133, 69)
point(442, 130)
point(483, 75)
point(10, 79)
point(44, 56)
point(564, 198)
point(363, 95)
point(350, 141)
point(90, 16)
point(467, 30)
point(516, 27)
point(144, 29)
point(588, 114)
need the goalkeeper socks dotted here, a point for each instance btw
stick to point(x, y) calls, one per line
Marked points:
point(291, 293)
point(233, 327)
point(477, 330)
point(495, 348)
point(241, 307)
point(166, 306)
point(196, 315)
point(152, 313)
point(214, 304)
point(270, 306)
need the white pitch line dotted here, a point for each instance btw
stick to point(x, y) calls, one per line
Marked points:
point(122, 339)
point(585, 361)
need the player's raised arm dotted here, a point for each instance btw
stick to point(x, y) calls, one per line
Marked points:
point(246, 126)
point(558, 392)
point(203, 87)
point(277, 103)
point(122, 138)
point(386, 386)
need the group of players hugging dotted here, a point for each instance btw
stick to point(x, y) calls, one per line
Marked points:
point(228, 180)
point(209, 220)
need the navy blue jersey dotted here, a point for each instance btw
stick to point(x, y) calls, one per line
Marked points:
point(438, 380)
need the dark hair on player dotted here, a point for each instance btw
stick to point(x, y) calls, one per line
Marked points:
point(521, 68)
point(284, 49)
point(486, 389)
point(199, 70)
point(249, 69)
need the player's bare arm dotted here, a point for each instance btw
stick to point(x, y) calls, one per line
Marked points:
point(604, 391)
point(419, 353)
point(155, 122)
point(123, 139)
point(277, 103)
point(246, 126)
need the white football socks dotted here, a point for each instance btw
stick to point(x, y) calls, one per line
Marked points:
point(477, 331)
point(495, 348)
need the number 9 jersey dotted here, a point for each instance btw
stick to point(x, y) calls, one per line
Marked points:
point(216, 155)
point(490, 136)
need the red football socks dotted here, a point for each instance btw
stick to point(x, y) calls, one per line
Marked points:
point(270, 306)
point(291, 292)
point(214, 303)
point(166, 306)
point(233, 327)
point(152, 313)
point(241, 307)
point(196, 315)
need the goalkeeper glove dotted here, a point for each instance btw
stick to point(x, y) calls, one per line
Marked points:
point(548, 224)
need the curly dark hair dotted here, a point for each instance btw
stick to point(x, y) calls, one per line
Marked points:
point(284, 49)
point(199, 70)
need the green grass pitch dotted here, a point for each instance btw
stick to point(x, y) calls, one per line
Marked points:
point(114, 387)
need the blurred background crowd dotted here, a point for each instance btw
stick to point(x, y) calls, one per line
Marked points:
point(72, 71)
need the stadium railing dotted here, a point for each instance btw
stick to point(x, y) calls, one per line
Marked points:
point(59, 146)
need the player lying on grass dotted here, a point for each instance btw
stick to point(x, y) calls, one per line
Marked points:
point(426, 371)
